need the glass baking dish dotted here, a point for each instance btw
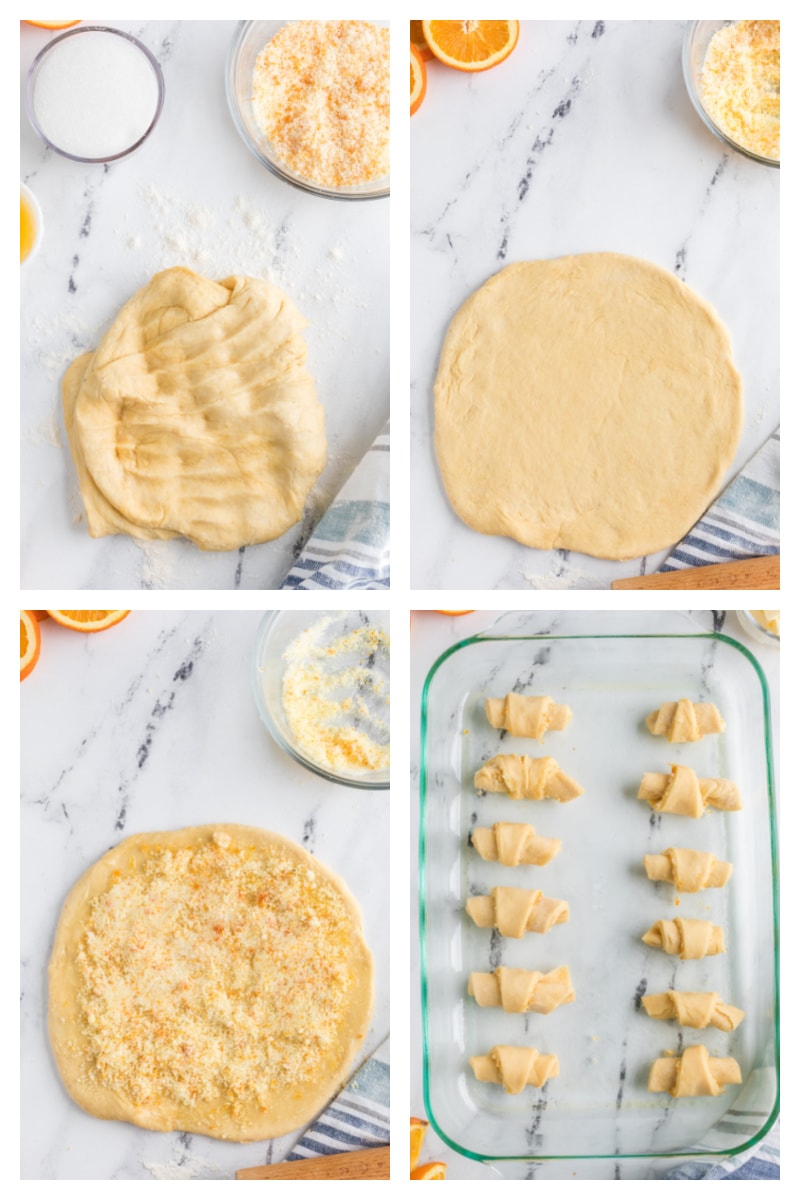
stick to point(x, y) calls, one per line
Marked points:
point(599, 1105)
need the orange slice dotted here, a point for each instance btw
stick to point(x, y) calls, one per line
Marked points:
point(471, 45)
point(418, 1130)
point(30, 643)
point(54, 24)
point(454, 612)
point(419, 81)
point(88, 621)
point(418, 41)
point(431, 1170)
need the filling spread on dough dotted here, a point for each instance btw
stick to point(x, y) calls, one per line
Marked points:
point(220, 972)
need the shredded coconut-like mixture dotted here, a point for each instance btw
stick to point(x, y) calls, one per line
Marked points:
point(215, 974)
point(336, 697)
point(321, 95)
point(741, 84)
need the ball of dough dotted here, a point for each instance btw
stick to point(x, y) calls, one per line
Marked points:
point(586, 403)
point(195, 416)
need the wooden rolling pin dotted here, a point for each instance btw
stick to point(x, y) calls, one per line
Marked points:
point(759, 573)
point(355, 1164)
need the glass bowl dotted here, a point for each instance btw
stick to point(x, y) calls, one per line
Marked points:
point(33, 74)
point(696, 37)
point(755, 629)
point(276, 633)
point(249, 40)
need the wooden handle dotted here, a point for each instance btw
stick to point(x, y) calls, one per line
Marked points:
point(764, 572)
point(355, 1164)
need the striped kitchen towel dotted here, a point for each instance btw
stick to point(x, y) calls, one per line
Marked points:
point(359, 1116)
point(350, 546)
point(743, 522)
point(761, 1162)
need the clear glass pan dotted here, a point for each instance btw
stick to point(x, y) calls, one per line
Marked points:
point(599, 1106)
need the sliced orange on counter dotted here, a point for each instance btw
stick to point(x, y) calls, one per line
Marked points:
point(418, 1130)
point(30, 643)
point(88, 620)
point(471, 45)
point(418, 41)
point(54, 24)
point(419, 83)
point(431, 1170)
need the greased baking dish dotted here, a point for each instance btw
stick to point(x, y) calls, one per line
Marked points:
point(599, 1106)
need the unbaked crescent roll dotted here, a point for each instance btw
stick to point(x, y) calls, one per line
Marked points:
point(694, 1073)
point(514, 845)
point(683, 793)
point(698, 1010)
point(527, 716)
point(683, 721)
point(526, 778)
point(687, 938)
point(515, 1067)
point(516, 911)
point(689, 870)
point(519, 991)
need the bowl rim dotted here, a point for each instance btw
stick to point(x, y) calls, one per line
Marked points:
point(273, 165)
point(689, 33)
point(33, 71)
point(267, 623)
point(32, 201)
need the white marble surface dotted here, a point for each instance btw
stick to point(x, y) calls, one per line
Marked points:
point(193, 195)
point(152, 725)
point(584, 139)
point(431, 635)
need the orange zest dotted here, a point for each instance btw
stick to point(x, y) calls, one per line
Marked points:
point(418, 41)
point(30, 642)
point(431, 1170)
point(54, 24)
point(88, 621)
point(419, 83)
point(418, 1130)
point(471, 45)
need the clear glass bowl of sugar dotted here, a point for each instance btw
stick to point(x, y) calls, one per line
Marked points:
point(94, 94)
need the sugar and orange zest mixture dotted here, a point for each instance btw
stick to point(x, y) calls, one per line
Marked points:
point(333, 712)
point(741, 84)
point(321, 95)
point(214, 974)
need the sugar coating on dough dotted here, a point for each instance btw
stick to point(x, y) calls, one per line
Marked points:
point(587, 403)
point(195, 416)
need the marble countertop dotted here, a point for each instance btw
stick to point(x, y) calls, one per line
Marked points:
point(193, 195)
point(431, 635)
point(152, 725)
point(584, 139)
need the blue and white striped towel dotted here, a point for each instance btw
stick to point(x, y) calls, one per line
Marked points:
point(763, 1162)
point(743, 522)
point(350, 546)
point(359, 1116)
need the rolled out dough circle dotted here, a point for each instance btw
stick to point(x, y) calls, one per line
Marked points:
point(586, 403)
point(208, 1003)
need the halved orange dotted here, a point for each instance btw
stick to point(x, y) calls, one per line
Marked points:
point(471, 45)
point(88, 621)
point(54, 24)
point(431, 1170)
point(418, 1130)
point(30, 643)
point(419, 82)
point(418, 41)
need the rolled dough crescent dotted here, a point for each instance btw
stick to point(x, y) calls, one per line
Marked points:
point(213, 980)
point(586, 403)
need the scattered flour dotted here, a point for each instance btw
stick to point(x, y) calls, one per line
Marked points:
point(186, 1168)
point(567, 581)
point(46, 433)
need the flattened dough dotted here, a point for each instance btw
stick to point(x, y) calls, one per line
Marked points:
point(213, 980)
point(586, 403)
point(195, 416)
